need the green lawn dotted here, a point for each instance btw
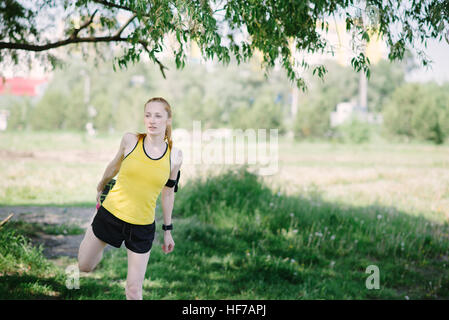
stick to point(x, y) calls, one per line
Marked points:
point(310, 232)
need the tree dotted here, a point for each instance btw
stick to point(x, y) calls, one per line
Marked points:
point(313, 117)
point(385, 78)
point(418, 111)
point(274, 28)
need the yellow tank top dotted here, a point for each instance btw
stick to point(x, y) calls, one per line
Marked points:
point(139, 182)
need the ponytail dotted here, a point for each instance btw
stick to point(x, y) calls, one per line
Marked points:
point(168, 136)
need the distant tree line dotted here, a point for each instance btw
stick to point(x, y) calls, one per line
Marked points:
point(235, 96)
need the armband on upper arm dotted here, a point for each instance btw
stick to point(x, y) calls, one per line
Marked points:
point(174, 183)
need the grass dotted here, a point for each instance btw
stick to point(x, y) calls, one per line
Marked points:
point(264, 246)
point(26, 274)
point(413, 178)
point(311, 232)
point(302, 242)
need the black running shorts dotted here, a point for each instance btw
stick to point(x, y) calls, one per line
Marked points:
point(113, 231)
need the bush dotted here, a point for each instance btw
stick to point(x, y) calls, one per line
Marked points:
point(354, 131)
point(236, 190)
point(419, 111)
point(264, 113)
point(313, 119)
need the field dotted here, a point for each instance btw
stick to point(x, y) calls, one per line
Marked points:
point(310, 231)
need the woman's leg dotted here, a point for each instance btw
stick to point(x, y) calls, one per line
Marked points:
point(90, 251)
point(137, 266)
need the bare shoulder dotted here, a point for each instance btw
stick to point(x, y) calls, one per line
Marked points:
point(129, 139)
point(176, 156)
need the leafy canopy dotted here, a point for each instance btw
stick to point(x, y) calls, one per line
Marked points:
point(280, 30)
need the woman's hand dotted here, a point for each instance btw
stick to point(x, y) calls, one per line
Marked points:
point(169, 244)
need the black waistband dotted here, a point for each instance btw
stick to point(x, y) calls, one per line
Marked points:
point(113, 217)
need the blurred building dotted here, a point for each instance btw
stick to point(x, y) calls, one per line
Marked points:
point(23, 86)
point(4, 114)
point(18, 87)
point(347, 110)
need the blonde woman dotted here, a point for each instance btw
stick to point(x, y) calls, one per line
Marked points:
point(147, 165)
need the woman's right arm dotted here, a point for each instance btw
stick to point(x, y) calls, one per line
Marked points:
point(114, 166)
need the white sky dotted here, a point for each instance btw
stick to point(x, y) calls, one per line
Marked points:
point(438, 71)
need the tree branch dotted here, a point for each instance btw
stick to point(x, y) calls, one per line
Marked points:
point(161, 66)
point(119, 32)
point(37, 48)
point(118, 6)
point(72, 39)
point(88, 22)
point(6, 219)
point(113, 5)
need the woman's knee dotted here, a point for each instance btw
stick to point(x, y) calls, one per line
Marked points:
point(85, 266)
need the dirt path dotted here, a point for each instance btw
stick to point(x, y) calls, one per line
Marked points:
point(52, 215)
point(54, 246)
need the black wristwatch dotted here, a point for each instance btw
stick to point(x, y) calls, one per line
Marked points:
point(167, 227)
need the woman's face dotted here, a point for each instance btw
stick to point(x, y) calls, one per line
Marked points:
point(156, 118)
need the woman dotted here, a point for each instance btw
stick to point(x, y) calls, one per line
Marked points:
point(147, 166)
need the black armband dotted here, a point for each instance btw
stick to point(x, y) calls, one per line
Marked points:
point(106, 189)
point(174, 183)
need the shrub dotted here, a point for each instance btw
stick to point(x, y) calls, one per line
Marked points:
point(418, 111)
point(354, 131)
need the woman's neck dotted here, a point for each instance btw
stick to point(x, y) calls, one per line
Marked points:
point(155, 141)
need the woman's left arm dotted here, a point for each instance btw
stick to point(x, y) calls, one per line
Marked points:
point(168, 200)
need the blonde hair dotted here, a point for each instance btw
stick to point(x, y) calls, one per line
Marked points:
point(168, 129)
